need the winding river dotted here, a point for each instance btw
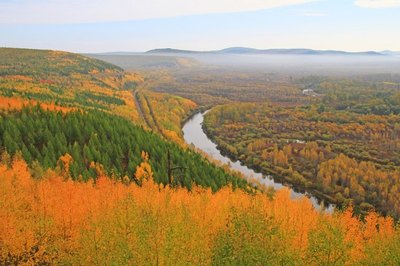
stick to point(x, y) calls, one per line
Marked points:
point(194, 134)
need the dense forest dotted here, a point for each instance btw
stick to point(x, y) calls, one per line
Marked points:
point(54, 221)
point(345, 155)
point(164, 113)
point(372, 94)
point(94, 170)
point(64, 81)
point(92, 138)
point(213, 86)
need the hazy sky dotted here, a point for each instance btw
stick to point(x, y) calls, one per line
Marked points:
point(139, 25)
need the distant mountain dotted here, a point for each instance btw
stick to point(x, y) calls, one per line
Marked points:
point(238, 50)
point(393, 53)
point(245, 50)
point(173, 51)
point(114, 53)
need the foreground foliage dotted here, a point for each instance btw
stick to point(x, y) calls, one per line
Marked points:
point(54, 220)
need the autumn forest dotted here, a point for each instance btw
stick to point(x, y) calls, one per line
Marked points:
point(95, 169)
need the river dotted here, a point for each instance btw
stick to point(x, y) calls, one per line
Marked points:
point(194, 134)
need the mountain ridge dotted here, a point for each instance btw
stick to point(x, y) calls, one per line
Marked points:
point(247, 50)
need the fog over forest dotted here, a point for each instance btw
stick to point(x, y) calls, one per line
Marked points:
point(336, 65)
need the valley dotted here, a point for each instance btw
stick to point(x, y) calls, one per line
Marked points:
point(101, 164)
point(210, 133)
point(265, 120)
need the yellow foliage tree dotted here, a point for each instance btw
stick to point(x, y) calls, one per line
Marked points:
point(143, 171)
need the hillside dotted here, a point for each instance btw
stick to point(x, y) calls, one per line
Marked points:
point(94, 139)
point(65, 79)
point(91, 106)
point(93, 171)
point(146, 61)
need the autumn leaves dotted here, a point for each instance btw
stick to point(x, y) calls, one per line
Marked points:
point(347, 156)
point(58, 221)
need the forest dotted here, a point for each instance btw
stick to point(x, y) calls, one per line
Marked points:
point(163, 113)
point(57, 221)
point(67, 80)
point(347, 156)
point(371, 94)
point(94, 169)
point(95, 139)
point(210, 86)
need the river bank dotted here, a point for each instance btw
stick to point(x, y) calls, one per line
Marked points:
point(194, 134)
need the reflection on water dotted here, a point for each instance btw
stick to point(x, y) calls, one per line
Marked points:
point(194, 134)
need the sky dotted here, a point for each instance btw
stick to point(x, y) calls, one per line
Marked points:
point(141, 25)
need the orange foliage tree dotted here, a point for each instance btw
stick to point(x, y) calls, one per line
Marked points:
point(54, 220)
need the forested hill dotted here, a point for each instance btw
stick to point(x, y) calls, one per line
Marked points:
point(95, 143)
point(58, 107)
point(37, 63)
point(81, 182)
point(66, 80)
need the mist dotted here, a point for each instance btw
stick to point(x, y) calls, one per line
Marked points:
point(295, 65)
point(304, 64)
